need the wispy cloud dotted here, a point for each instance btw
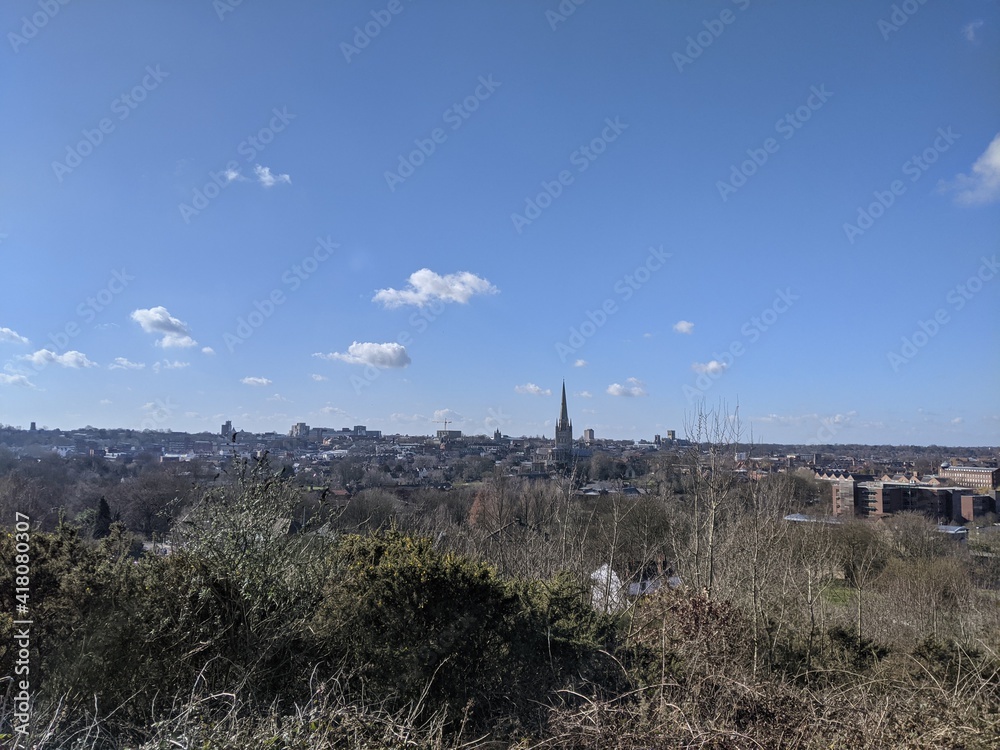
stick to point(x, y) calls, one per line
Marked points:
point(18, 380)
point(407, 418)
point(425, 286)
point(633, 388)
point(712, 367)
point(168, 365)
point(580, 363)
point(121, 363)
point(385, 356)
point(159, 321)
point(983, 185)
point(970, 29)
point(530, 389)
point(72, 359)
point(255, 381)
point(319, 378)
point(207, 350)
point(584, 394)
point(266, 178)
point(7, 336)
point(684, 326)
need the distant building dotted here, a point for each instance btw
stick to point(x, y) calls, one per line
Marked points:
point(562, 453)
point(874, 499)
point(971, 476)
point(449, 434)
point(33, 427)
point(227, 430)
point(299, 430)
point(588, 436)
point(671, 435)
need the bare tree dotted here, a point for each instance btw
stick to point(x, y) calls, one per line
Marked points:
point(711, 483)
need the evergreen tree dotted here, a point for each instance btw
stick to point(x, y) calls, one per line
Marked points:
point(102, 524)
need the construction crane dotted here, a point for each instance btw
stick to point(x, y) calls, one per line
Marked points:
point(445, 422)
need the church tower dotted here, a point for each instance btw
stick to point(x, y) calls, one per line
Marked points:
point(563, 451)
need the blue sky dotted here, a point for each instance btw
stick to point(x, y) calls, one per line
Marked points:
point(392, 213)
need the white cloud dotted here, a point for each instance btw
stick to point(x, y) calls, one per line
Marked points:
point(633, 388)
point(531, 389)
point(684, 326)
point(7, 336)
point(168, 365)
point(19, 380)
point(159, 321)
point(207, 350)
point(580, 363)
point(319, 378)
point(331, 410)
point(255, 381)
point(983, 185)
point(970, 29)
point(105, 402)
point(377, 355)
point(449, 414)
point(426, 286)
point(72, 359)
point(407, 418)
point(121, 363)
point(584, 394)
point(957, 420)
point(278, 397)
point(265, 178)
point(233, 174)
point(714, 367)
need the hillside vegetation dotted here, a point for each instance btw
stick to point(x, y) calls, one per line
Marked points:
point(473, 619)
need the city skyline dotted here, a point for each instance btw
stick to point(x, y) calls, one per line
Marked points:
point(398, 213)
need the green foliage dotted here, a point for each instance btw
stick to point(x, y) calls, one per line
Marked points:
point(102, 522)
point(415, 625)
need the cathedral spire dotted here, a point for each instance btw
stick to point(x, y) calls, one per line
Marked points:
point(562, 452)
